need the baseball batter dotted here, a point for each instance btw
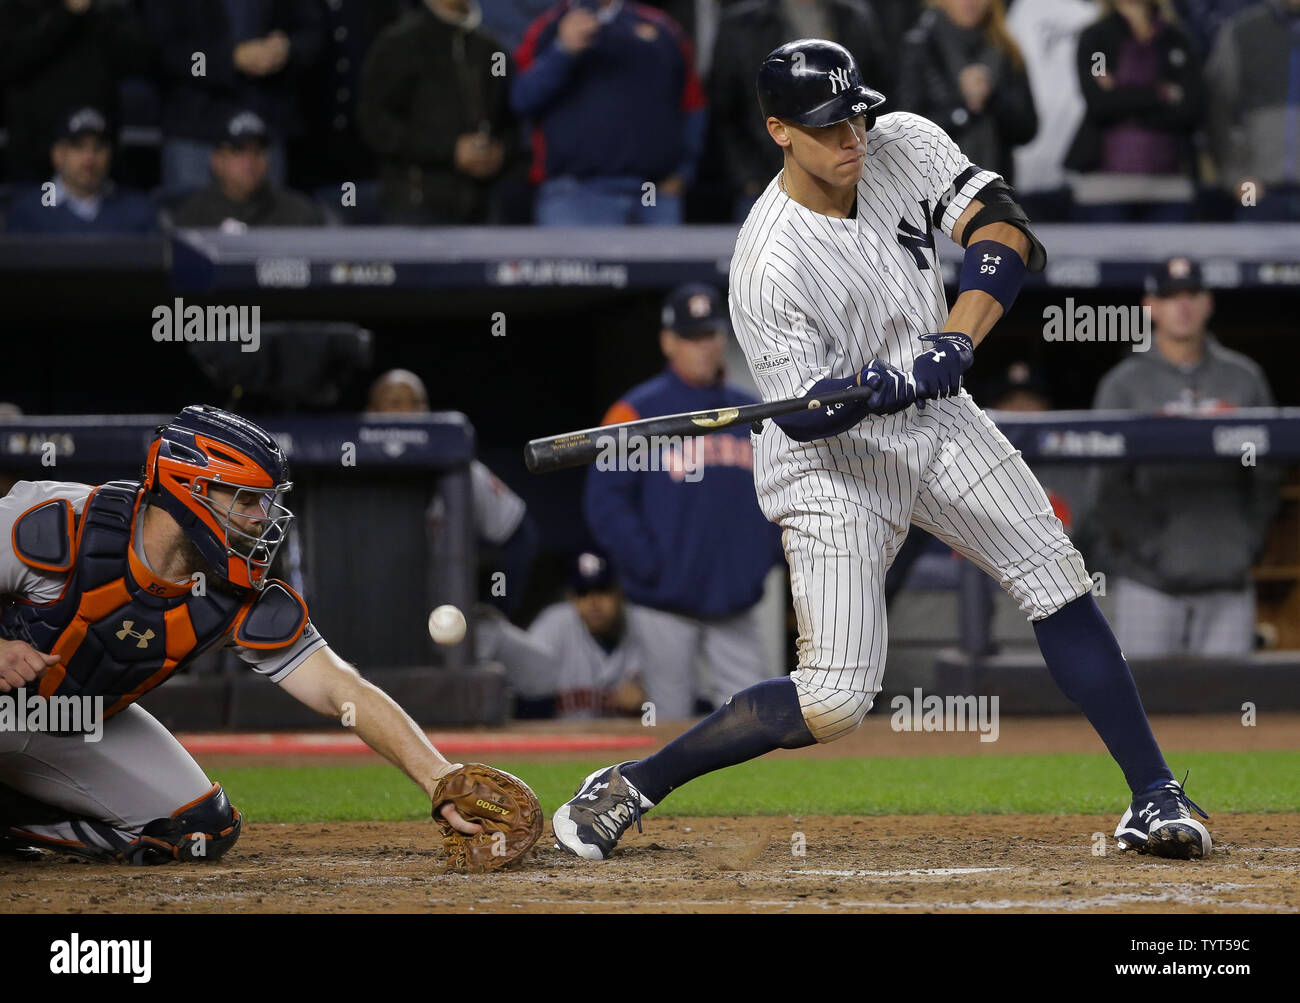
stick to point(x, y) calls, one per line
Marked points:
point(106, 591)
point(835, 282)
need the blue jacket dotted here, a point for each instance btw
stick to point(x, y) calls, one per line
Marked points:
point(121, 211)
point(685, 538)
point(629, 106)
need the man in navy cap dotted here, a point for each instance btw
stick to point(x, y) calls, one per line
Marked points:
point(1178, 540)
point(242, 193)
point(584, 656)
point(81, 198)
point(682, 524)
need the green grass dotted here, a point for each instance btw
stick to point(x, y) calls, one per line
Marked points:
point(1058, 784)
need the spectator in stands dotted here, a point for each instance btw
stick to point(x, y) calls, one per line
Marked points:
point(508, 20)
point(618, 111)
point(964, 71)
point(506, 531)
point(1253, 77)
point(684, 530)
point(585, 656)
point(220, 57)
point(747, 32)
point(1141, 79)
point(81, 198)
point(331, 149)
point(1047, 32)
point(57, 56)
point(242, 193)
point(700, 20)
point(896, 18)
point(1204, 18)
point(435, 109)
point(1177, 541)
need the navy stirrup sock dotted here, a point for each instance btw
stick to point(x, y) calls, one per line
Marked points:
point(756, 720)
point(1086, 662)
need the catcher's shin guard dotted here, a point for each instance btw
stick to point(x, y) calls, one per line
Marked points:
point(202, 830)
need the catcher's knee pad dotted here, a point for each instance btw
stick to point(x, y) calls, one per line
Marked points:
point(833, 702)
point(1042, 584)
point(202, 830)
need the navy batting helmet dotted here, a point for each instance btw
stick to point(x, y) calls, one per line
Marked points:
point(814, 82)
point(204, 447)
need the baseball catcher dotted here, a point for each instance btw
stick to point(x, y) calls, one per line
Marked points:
point(106, 591)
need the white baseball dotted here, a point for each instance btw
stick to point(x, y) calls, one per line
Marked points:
point(447, 625)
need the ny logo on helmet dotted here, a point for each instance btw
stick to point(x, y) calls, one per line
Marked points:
point(141, 639)
point(839, 80)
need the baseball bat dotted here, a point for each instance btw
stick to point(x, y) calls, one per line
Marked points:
point(576, 449)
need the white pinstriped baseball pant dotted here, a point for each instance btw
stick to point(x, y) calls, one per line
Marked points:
point(968, 486)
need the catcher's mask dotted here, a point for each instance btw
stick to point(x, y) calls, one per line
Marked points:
point(204, 448)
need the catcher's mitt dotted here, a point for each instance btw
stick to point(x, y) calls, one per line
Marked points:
point(502, 804)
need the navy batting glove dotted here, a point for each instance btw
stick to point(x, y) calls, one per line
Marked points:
point(894, 389)
point(938, 371)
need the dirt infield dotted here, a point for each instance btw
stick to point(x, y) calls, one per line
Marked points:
point(883, 864)
point(926, 863)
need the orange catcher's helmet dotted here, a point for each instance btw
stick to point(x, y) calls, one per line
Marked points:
point(222, 478)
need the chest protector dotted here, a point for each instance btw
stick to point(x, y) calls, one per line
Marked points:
point(120, 630)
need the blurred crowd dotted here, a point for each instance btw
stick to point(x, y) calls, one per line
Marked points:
point(128, 115)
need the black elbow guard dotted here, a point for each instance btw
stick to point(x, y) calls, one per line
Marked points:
point(1000, 206)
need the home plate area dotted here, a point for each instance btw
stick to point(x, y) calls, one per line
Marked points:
point(774, 864)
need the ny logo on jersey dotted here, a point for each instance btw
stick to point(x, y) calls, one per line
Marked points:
point(839, 79)
point(141, 639)
point(917, 239)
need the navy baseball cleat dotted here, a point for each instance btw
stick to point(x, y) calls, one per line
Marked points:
point(1159, 822)
point(12, 848)
point(592, 822)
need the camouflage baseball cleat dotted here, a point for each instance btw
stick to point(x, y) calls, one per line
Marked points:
point(592, 822)
point(1159, 822)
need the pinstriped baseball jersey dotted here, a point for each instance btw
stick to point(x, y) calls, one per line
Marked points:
point(813, 297)
point(833, 294)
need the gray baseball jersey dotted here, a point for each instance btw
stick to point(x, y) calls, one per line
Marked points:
point(498, 511)
point(583, 668)
point(24, 582)
point(814, 296)
point(137, 771)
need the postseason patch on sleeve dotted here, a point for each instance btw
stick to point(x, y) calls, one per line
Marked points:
point(772, 362)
